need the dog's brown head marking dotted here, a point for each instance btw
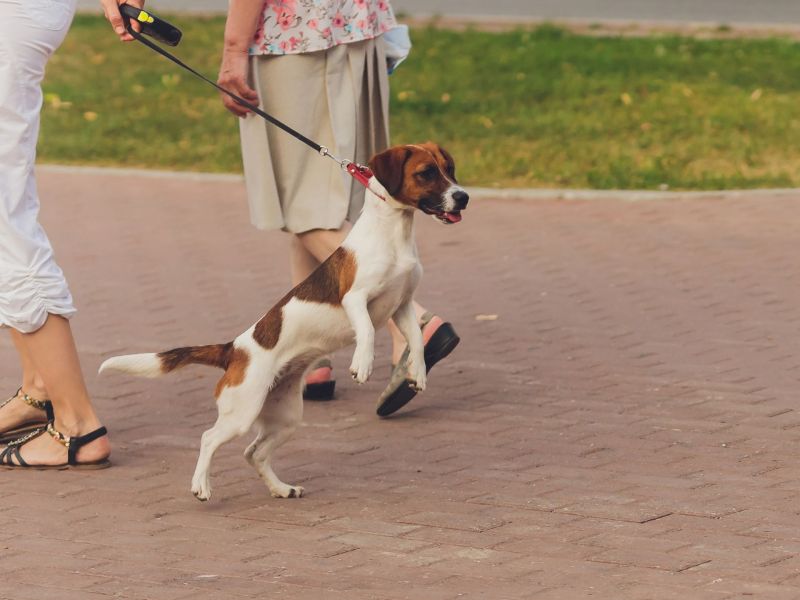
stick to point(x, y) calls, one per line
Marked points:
point(421, 176)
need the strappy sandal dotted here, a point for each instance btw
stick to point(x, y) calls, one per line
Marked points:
point(28, 426)
point(399, 392)
point(321, 390)
point(11, 457)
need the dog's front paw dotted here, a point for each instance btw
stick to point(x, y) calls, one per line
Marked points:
point(201, 490)
point(361, 367)
point(417, 375)
point(286, 491)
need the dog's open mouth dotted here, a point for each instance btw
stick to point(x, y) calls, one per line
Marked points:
point(444, 216)
point(448, 218)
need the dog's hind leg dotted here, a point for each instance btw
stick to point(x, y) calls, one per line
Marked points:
point(238, 407)
point(281, 414)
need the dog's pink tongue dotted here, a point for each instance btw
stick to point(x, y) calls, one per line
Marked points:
point(453, 217)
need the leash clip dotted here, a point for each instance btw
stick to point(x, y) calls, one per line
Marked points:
point(361, 173)
point(343, 164)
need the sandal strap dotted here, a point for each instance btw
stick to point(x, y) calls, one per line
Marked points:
point(34, 402)
point(12, 450)
point(82, 440)
point(426, 318)
point(15, 452)
point(15, 443)
point(10, 398)
point(322, 363)
point(44, 405)
point(75, 442)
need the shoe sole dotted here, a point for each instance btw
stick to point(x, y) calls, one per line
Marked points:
point(320, 392)
point(435, 350)
point(79, 467)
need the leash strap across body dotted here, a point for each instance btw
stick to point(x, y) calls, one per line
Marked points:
point(360, 173)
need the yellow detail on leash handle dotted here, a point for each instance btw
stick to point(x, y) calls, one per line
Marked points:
point(151, 25)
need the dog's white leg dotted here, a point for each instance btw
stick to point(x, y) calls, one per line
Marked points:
point(250, 450)
point(406, 320)
point(279, 418)
point(238, 408)
point(355, 305)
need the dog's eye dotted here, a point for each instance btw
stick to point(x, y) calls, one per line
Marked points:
point(451, 171)
point(427, 173)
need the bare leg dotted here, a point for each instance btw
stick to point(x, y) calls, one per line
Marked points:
point(17, 412)
point(321, 243)
point(52, 353)
point(32, 382)
point(301, 261)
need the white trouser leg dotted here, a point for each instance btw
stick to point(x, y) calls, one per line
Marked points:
point(31, 283)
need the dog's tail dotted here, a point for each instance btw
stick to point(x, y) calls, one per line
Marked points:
point(155, 365)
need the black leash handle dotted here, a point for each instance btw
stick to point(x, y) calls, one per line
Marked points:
point(158, 28)
point(151, 25)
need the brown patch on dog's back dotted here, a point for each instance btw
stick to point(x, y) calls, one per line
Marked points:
point(268, 329)
point(331, 280)
point(327, 285)
point(234, 374)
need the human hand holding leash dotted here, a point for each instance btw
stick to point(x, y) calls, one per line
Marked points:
point(111, 11)
point(240, 27)
point(233, 77)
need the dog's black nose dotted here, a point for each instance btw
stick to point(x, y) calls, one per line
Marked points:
point(461, 198)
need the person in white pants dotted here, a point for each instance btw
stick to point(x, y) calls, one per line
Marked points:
point(35, 301)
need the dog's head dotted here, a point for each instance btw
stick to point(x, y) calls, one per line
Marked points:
point(421, 176)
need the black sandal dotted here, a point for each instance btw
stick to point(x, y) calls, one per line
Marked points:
point(400, 392)
point(28, 426)
point(11, 452)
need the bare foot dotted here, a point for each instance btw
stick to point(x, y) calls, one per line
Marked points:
point(18, 413)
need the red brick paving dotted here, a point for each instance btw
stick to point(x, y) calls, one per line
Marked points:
point(626, 428)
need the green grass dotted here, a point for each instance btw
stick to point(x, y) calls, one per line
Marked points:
point(526, 108)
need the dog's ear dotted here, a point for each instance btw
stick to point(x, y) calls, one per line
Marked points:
point(388, 167)
point(451, 164)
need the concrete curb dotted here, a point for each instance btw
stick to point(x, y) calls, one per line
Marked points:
point(598, 27)
point(476, 193)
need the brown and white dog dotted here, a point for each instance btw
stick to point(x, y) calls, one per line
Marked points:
point(369, 279)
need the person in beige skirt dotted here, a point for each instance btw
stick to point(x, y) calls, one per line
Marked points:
point(321, 68)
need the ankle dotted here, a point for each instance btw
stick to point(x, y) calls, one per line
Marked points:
point(73, 426)
point(34, 387)
point(430, 328)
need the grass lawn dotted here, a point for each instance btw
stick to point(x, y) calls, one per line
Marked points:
point(529, 108)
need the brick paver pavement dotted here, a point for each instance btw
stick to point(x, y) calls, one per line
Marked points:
point(626, 428)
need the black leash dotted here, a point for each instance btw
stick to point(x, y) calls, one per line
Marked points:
point(169, 34)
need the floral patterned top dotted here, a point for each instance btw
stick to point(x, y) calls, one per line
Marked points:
point(295, 26)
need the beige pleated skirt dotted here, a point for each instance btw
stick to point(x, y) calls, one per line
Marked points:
point(338, 98)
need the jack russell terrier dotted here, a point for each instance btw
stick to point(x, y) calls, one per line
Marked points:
point(369, 279)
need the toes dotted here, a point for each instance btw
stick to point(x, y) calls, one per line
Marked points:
point(360, 375)
point(289, 492)
point(203, 497)
point(201, 492)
